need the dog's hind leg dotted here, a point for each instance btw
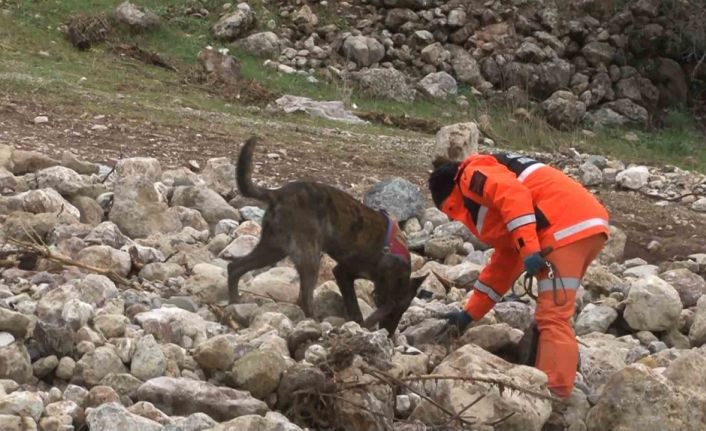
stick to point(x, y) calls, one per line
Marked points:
point(307, 264)
point(264, 254)
point(345, 283)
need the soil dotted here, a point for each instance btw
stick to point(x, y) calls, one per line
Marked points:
point(350, 160)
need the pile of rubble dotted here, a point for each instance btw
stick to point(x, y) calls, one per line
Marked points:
point(113, 315)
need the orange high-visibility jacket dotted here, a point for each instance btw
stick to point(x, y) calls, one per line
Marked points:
point(519, 206)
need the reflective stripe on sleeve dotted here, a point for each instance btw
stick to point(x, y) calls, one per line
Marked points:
point(488, 291)
point(521, 221)
point(579, 227)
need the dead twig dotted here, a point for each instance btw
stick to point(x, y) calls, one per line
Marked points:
point(38, 247)
point(400, 382)
point(266, 296)
point(105, 178)
point(664, 198)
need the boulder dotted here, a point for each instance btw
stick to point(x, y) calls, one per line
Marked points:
point(15, 363)
point(114, 417)
point(94, 366)
point(457, 141)
point(363, 50)
point(614, 248)
point(454, 395)
point(633, 178)
point(598, 53)
point(182, 396)
point(208, 283)
point(259, 372)
point(236, 24)
point(652, 305)
point(264, 44)
point(22, 403)
point(689, 285)
point(63, 180)
point(279, 283)
point(136, 17)
point(219, 67)
point(385, 83)
point(590, 174)
point(438, 85)
point(638, 397)
point(17, 324)
point(602, 355)
point(564, 110)
point(697, 332)
point(149, 360)
point(107, 258)
point(271, 422)
point(595, 318)
point(209, 203)
point(138, 209)
point(217, 353)
point(400, 198)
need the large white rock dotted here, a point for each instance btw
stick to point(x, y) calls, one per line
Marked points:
point(652, 305)
point(633, 178)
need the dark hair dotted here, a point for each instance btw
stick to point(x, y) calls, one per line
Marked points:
point(442, 182)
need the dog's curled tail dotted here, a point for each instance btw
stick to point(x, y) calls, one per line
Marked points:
point(243, 175)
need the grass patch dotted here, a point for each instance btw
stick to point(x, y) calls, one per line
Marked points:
point(31, 27)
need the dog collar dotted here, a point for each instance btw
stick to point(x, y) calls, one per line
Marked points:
point(395, 242)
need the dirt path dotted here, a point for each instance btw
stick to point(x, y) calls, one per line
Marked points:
point(349, 159)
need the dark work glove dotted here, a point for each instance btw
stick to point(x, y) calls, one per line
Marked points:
point(459, 319)
point(534, 263)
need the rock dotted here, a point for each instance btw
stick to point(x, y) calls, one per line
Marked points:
point(170, 324)
point(93, 366)
point(15, 323)
point(677, 340)
point(107, 233)
point(397, 17)
point(29, 161)
point(602, 356)
point(38, 201)
point(457, 141)
point(251, 213)
point(136, 17)
point(330, 110)
point(595, 318)
point(217, 353)
point(107, 258)
point(439, 247)
point(699, 205)
point(236, 24)
point(271, 422)
point(219, 67)
point(598, 53)
point(564, 110)
point(16, 423)
point(65, 369)
point(209, 203)
point(697, 332)
point(641, 271)
point(45, 366)
point(400, 198)
point(101, 395)
point(259, 372)
point(265, 44)
point(606, 117)
point(158, 271)
point(653, 305)
point(15, 363)
point(137, 208)
point(492, 338)
point(364, 51)
point(438, 85)
point(149, 360)
point(123, 384)
point(387, 83)
point(631, 111)
point(614, 248)
point(279, 283)
point(465, 67)
point(591, 175)
point(63, 180)
point(516, 314)
point(433, 54)
point(633, 178)
point(76, 394)
point(362, 409)
point(22, 403)
point(454, 395)
point(114, 417)
point(638, 397)
point(208, 283)
point(194, 422)
point(91, 211)
point(186, 396)
point(690, 286)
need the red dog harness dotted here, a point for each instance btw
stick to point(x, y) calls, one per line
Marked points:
point(395, 241)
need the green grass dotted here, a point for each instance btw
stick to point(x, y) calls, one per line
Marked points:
point(31, 27)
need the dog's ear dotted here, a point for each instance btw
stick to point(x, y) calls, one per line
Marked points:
point(440, 161)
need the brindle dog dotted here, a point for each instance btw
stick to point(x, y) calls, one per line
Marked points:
point(305, 219)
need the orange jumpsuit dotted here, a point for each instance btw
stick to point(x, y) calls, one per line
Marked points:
point(521, 206)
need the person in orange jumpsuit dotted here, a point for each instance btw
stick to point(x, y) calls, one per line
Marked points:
point(531, 214)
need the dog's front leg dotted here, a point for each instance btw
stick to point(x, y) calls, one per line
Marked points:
point(345, 283)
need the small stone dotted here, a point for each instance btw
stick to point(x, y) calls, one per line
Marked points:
point(41, 119)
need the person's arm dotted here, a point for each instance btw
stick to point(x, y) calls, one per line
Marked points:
point(499, 189)
point(493, 282)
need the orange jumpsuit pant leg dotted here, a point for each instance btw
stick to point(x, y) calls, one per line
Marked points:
point(557, 352)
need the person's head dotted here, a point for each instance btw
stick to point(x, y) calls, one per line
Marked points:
point(442, 180)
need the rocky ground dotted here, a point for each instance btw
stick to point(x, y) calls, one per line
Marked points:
point(113, 313)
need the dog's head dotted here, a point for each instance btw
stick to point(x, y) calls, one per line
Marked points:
point(415, 283)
